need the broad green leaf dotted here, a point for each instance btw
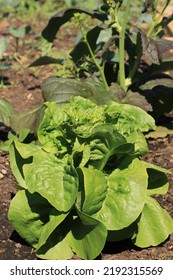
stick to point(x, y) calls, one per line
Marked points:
point(55, 218)
point(154, 226)
point(64, 16)
point(6, 111)
point(125, 197)
point(29, 119)
point(53, 179)
point(87, 236)
point(125, 233)
point(28, 213)
point(104, 35)
point(157, 179)
point(95, 190)
point(27, 150)
point(16, 163)
point(140, 143)
point(55, 248)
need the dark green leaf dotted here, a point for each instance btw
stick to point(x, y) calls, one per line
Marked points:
point(80, 51)
point(165, 21)
point(64, 16)
point(44, 60)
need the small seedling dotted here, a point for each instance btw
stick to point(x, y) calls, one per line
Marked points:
point(18, 33)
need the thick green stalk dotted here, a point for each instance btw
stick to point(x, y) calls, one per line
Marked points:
point(122, 77)
point(100, 68)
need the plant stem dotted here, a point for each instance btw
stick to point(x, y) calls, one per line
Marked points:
point(122, 77)
point(155, 21)
point(100, 68)
point(135, 65)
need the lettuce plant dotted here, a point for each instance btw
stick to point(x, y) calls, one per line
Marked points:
point(84, 181)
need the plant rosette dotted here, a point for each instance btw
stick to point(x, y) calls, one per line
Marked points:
point(84, 182)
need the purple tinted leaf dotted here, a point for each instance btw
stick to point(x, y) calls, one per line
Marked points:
point(163, 47)
point(136, 99)
point(150, 48)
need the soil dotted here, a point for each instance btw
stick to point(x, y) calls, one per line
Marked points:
point(22, 90)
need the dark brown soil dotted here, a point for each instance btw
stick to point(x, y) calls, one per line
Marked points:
point(23, 91)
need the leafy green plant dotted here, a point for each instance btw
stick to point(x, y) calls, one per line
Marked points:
point(4, 64)
point(18, 33)
point(83, 182)
point(117, 49)
point(6, 111)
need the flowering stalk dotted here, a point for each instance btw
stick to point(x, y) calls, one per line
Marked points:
point(99, 67)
